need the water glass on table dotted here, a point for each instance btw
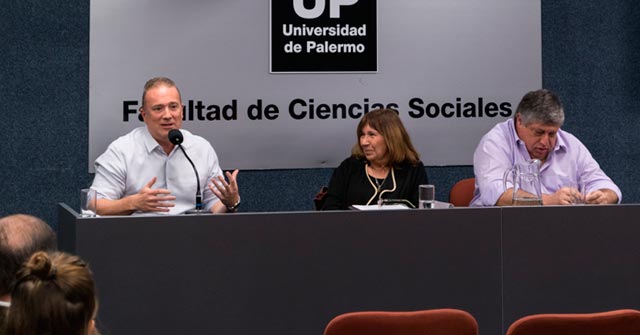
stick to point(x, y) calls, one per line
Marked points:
point(88, 200)
point(578, 193)
point(426, 196)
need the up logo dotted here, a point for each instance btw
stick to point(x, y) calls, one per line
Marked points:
point(319, 7)
point(323, 36)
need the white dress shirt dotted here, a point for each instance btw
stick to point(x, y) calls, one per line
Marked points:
point(132, 160)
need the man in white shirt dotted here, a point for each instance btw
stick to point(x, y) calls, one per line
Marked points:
point(143, 172)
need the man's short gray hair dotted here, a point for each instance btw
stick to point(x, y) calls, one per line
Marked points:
point(158, 81)
point(541, 106)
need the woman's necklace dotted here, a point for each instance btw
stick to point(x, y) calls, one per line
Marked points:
point(380, 181)
point(378, 185)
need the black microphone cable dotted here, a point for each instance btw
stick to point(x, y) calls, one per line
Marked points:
point(175, 137)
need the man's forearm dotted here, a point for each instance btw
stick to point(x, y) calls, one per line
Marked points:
point(114, 207)
point(506, 199)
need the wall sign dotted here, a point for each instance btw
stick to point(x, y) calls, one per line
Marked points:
point(329, 36)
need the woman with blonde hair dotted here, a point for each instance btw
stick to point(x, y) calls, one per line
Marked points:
point(383, 165)
point(55, 295)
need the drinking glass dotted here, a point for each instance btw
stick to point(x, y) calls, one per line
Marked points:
point(426, 196)
point(88, 199)
point(578, 193)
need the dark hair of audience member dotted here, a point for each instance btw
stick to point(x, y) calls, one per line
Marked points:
point(55, 295)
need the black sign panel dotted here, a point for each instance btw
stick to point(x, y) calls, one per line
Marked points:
point(324, 36)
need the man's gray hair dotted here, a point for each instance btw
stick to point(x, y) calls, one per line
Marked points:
point(541, 106)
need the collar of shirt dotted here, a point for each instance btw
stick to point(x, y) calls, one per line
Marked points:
point(151, 144)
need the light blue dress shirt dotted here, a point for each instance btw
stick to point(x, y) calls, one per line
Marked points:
point(567, 164)
point(132, 160)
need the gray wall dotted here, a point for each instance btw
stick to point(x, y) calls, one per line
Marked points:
point(591, 57)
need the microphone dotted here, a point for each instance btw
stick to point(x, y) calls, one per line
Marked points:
point(175, 137)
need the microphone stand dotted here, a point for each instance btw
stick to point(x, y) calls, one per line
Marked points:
point(175, 137)
point(198, 209)
point(382, 202)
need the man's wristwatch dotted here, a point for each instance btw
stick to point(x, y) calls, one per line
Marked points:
point(234, 207)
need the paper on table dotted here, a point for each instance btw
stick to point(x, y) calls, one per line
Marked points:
point(437, 205)
point(442, 204)
point(376, 207)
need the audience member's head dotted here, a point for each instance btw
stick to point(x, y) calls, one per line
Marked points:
point(54, 294)
point(20, 236)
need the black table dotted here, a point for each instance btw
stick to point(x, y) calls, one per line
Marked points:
point(290, 273)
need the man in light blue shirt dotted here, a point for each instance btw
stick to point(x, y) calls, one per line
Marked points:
point(534, 133)
point(143, 171)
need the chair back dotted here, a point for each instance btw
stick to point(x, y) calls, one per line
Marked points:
point(320, 197)
point(618, 322)
point(426, 322)
point(462, 192)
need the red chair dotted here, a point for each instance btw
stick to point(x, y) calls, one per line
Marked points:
point(618, 322)
point(427, 322)
point(462, 192)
